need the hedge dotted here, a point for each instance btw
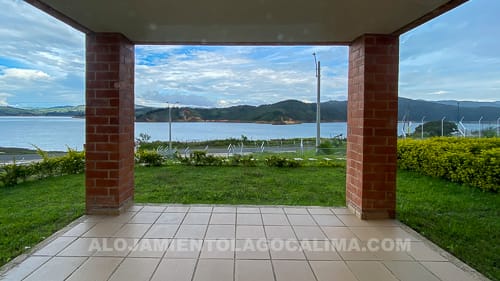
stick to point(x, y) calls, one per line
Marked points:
point(464, 160)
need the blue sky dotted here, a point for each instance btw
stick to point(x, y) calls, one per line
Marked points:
point(456, 56)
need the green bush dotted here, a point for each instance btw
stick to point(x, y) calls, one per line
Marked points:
point(281, 162)
point(470, 161)
point(149, 158)
point(73, 162)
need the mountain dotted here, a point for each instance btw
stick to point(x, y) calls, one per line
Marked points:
point(51, 111)
point(284, 112)
point(470, 103)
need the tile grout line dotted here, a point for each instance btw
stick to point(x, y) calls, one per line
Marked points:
point(203, 242)
point(267, 241)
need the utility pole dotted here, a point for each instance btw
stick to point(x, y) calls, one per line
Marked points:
point(422, 128)
point(318, 103)
point(169, 127)
point(442, 126)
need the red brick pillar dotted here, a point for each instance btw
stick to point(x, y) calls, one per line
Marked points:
point(109, 176)
point(372, 126)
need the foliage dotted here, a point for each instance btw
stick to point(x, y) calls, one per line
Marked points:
point(73, 162)
point(433, 129)
point(149, 157)
point(200, 158)
point(325, 147)
point(281, 162)
point(463, 160)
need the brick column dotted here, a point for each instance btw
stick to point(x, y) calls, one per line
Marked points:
point(109, 176)
point(372, 126)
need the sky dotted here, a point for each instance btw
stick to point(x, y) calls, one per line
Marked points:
point(453, 57)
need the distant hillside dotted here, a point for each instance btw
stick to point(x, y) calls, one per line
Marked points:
point(289, 111)
point(51, 111)
point(470, 103)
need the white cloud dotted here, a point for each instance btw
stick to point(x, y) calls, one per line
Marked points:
point(3, 99)
point(24, 74)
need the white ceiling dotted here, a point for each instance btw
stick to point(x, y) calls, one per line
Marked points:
point(244, 21)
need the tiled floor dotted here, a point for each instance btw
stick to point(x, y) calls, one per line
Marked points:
point(219, 243)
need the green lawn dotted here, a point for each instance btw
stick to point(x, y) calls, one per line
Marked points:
point(461, 219)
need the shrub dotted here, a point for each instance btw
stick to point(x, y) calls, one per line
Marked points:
point(281, 162)
point(471, 161)
point(149, 158)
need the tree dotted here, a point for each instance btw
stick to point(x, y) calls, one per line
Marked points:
point(433, 129)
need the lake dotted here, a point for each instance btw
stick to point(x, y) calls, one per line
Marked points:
point(55, 133)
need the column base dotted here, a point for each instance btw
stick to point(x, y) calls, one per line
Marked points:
point(371, 214)
point(112, 211)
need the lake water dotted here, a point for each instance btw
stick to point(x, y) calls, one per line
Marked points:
point(56, 133)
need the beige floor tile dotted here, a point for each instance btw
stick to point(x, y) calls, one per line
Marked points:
point(284, 232)
point(393, 255)
point(145, 217)
point(135, 208)
point(196, 218)
point(250, 232)
point(338, 232)
point(366, 233)
point(354, 250)
point(226, 210)
point(341, 211)
point(218, 249)
point(191, 231)
point(25, 268)
point(150, 248)
point(184, 248)
point(286, 250)
point(132, 230)
point(421, 252)
point(447, 271)
point(153, 209)
point(319, 250)
point(275, 219)
point(319, 211)
point(95, 269)
point(296, 211)
point(301, 220)
point(293, 271)
point(162, 231)
point(410, 271)
point(327, 220)
point(309, 233)
point(171, 218)
point(247, 210)
point(271, 210)
point(252, 270)
point(249, 219)
point(135, 269)
point(223, 218)
point(214, 270)
point(103, 229)
point(55, 246)
point(252, 249)
point(177, 209)
point(200, 209)
point(82, 247)
point(56, 269)
point(175, 270)
point(332, 271)
point(215, 231)
point(352, 220)
point(79, 229)
point(122, 218)
point(115, 247)
point(370, 271)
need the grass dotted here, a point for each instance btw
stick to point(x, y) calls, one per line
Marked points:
point(32, 211)
point(460, 219)
point(309, 186)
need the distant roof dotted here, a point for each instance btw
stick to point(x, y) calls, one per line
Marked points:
point(245, 21)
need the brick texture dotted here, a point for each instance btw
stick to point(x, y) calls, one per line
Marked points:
point(372, 126)
point(109, 123)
